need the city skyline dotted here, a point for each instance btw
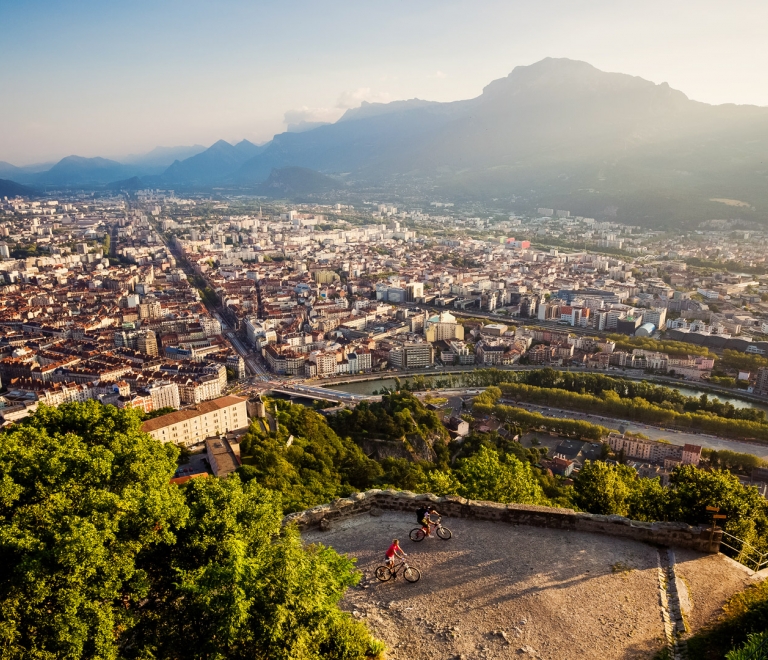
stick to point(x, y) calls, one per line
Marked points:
point(113, 81)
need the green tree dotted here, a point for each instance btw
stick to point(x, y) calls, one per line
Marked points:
point(306, 460)
point(604, 489)
point(648, 500)
point(439, 482)
point(693, 490)
point(83, 493)
point(237, 586)
point(104, 558)
point(488, 476)
point(160, 412)
point(401, 473)
point(754, 648)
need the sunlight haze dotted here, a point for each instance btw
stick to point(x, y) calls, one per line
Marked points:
point(107, 79)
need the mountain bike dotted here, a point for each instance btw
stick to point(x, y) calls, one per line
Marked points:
point(419, 534)
point(410, 573)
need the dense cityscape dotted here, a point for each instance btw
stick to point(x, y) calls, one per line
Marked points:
point(351, 331)
point(151, 289)
point(160, 303)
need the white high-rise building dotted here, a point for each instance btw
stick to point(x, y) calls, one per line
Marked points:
point(164, 394)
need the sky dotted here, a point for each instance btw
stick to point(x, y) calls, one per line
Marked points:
point(111, 78)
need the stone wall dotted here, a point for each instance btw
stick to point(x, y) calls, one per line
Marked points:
point(659, 533)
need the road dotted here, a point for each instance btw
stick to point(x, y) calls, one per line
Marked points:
point(613, 372)
point(262, 377)
point(299, 389)
point(653, 432)
point(251, 360)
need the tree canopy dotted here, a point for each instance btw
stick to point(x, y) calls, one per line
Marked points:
point(103, 558)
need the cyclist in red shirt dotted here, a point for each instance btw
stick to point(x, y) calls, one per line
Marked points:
point(393, 551)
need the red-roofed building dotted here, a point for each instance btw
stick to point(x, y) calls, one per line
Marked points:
point(691, 455)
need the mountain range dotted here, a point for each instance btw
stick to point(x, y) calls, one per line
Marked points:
point(556, 133)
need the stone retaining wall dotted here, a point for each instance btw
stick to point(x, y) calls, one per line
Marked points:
point(659, 533)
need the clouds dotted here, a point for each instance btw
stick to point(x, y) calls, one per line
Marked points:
point(354, 98)
point(348, 99)
point(310, 115)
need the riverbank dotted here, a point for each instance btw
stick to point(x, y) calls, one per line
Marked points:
point(373, 383)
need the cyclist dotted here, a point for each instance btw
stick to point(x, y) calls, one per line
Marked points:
point(426, 520)
point(393, 551)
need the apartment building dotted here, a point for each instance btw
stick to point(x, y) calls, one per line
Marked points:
point(654, 452)
point(203, 389)
point(164, 394)
point(412, 356)
point(761, 386)
point(144, 341)
point(359, 361)
point(326, 363)
point(205, 420)
point(443, 327)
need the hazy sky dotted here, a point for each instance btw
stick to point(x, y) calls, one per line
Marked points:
point(114, 77)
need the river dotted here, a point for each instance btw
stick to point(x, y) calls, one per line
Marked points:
point(708, 441)
point(368, 387)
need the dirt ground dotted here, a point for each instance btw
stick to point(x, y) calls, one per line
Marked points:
point(500, 591)
point(709, 580)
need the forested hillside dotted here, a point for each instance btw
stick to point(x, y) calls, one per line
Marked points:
point(103, 558)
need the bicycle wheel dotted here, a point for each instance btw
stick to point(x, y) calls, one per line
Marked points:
point(444, 533)
point(383, 573)
point(417, 534)
point(412, 574)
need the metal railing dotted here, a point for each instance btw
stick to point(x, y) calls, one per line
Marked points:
point(760, 652)
point(744, 552)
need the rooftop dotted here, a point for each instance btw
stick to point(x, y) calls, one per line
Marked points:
point(190, 413)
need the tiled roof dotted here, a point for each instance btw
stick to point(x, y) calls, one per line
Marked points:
point(182, 415)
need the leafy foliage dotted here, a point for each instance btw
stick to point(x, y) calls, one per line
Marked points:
point(83, 493)
point(602, 386)
point(315, 467)
point(487, 475)
point(103, 558)
point(603, 488)
point(615, 489)
point(621, 398)
point(397, 415)
point(159, 412)
point(744, 615)
point(742, 361)
point(733, 461)
point(624, 343)
point(754, 648)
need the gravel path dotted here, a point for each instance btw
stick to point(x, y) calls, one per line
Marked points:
point(709, 580)
point(500, 591)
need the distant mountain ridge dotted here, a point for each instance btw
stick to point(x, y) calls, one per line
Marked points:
point(197, 164)
point(161, 158)
point(555, 133)
point(558, 132)
point(214, 164)
point(291, 182)
point(12, 189)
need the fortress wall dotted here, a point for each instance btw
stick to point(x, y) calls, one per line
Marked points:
point(659, 533)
